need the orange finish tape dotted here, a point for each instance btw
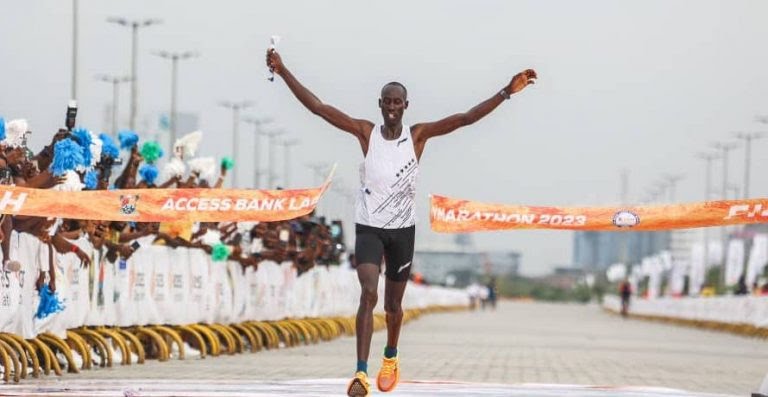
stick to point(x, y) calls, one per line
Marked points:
point(451, 215)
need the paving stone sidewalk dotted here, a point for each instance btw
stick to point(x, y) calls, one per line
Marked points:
point(518, 343)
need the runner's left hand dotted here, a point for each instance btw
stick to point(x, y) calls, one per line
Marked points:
point(522, 80)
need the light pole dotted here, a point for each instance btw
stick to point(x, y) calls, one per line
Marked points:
point(271, 135)
point(656, 240)
point(235, 107)
point(661, 190)
point(733, 189)
point(257, 170)
point(725, 147)
point(671, 181)
point(708, 157)
point(73, 92)
point(287, 144)
point(748, 137)
point(317, 171)
point(624, 249)
point(115, 81)
point(175, 57)
point(134, 25)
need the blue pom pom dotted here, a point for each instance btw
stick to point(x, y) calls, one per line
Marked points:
point(83, 138)
point(108, 147)
point(67, 155)
point(128, 139)
point(2, 129)
point(91, 179)
point(149, 173)
point(49, 303)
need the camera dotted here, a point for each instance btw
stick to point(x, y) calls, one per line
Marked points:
point(106, 163)
point(27, 152)
point(6, 178)
point(71, 117)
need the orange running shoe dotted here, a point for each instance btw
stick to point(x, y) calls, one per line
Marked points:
point(389, 374)
point(359, 386)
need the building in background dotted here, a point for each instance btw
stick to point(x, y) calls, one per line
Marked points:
point(594, 251)
point(463, 266)
point(681, 242)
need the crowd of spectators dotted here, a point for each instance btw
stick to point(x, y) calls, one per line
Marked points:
point(78, 159)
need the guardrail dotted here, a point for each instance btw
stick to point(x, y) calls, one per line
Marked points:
point(163, 302)
point(746, 315)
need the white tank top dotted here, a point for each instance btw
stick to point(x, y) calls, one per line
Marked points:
point(388, 182)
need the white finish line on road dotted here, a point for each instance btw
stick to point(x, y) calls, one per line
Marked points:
point(323, 387)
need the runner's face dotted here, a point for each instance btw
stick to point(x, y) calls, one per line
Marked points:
point(393, 104)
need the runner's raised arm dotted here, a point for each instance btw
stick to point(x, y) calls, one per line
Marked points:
point(357, 127)
point(423, 131)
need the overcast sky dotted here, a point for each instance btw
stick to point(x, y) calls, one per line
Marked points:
point(640, 86)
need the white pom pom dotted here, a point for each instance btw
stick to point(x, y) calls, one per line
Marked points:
point(96, 145)
point(204, 166)
point(174, 168)
point(15, 131)
point(71, 183)
point(186, 146)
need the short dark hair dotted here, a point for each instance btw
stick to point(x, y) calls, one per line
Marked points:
point(398, 84)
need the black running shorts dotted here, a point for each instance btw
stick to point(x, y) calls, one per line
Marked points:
point(394, 245)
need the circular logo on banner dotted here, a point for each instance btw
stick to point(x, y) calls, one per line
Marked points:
point(128, 203)
point(625, 218)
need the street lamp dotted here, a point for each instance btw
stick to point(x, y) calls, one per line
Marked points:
point(287, 144)
point(725, 147)
point(271, 135)
point(748, 137)
point(257, 170)
point(317, 170)
point(708, 157)
point(671, 181)
point(660, 188)
point(175, 57)
point(134, 25)
point(73, 92)
point(115, 81)
point(235, 107)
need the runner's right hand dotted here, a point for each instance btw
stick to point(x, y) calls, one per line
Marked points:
point(274, 62)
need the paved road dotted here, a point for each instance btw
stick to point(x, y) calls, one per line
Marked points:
point(520, 343)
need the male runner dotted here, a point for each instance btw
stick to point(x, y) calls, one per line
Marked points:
point(385, 224)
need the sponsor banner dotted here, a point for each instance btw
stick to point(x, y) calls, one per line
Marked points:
point(451, 215)
point(163, 205)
